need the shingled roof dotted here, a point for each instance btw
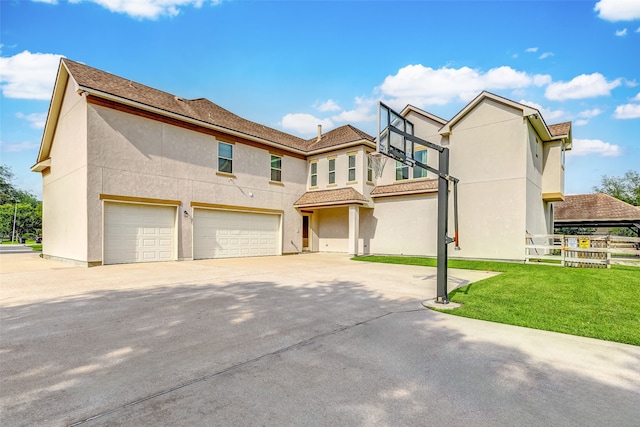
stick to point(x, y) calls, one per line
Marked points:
point(591, 207)
point(338, 136)
point(405, 188)
point(559, 129)
point(339, 196)
point(202, 109)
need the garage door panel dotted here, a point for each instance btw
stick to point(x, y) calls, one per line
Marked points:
point(221, 234)
point(138, 233)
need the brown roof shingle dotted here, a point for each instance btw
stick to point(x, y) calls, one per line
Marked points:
point(594, 207)
point(410, 187)
point(342, 135)
point(199, 109)
point(330, 197)
point(559, 129)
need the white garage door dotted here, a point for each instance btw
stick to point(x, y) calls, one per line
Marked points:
point(226, 234)
point(138, 233)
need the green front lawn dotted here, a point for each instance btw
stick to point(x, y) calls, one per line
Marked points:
point(596, 303)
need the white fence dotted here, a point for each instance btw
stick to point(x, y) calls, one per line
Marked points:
point(582, 251)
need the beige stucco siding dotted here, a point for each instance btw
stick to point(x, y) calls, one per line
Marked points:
point(341, 170)
point(64, 191)
point(553, 170)
point(139, 157)
point(404, 225)
point(489, 155)
point(333, 229)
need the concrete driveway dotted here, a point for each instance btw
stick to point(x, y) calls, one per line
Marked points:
point(299, 340)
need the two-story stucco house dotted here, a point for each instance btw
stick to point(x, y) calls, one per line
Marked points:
point(134, 174)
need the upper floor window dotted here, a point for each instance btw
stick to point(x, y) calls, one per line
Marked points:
point(402, 171)
point(369, 170)
point(351, 171)
point(225, 157)
point(332, 171)
point(420, 156)
point(314, 174)
point(276, 168)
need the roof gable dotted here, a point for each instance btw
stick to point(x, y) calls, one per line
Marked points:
point(526, 111)
point(410, 108)
point(342, 135)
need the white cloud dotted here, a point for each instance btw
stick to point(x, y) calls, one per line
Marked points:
point(148, 9)
point(621, 33)
point(37, 120)
point(421, 86)
point(585, 147)
point(18, 147)
point(304, 124)
point(531, 49)
point(587, 114)
point(365, 111)
point(46, 1)
point(28, 75)
point(545, 55)
point(582, 86)
point(636, 98)
point(627, 111)
point(329, 105)
point(547, 114)
point(618, 10)
point(580, 122)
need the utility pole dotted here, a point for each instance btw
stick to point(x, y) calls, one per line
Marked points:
point(15, 212)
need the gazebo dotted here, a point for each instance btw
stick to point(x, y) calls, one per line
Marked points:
point(596, 210)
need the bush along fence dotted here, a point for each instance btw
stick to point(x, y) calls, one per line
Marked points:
point(582, 251)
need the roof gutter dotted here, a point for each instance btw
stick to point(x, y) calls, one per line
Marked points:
point(200, 123)
point(341, 146)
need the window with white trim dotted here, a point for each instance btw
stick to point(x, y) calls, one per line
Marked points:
point(332, 171)
point(369, 170)
point(351, 171)
point(276, 168)
point(314, 174)
point(402, 171)
point(225, 157)
point(420, 156)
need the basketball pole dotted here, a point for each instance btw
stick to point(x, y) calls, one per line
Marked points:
point(400, 154)
point(442, 296)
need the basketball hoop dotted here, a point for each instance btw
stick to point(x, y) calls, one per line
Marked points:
point(377, 161)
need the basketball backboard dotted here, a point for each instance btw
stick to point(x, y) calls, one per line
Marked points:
point(393, 130)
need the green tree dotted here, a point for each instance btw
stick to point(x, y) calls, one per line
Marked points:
point(27, 209)
point(28, 219)
point(625, 188)
point(9, 193)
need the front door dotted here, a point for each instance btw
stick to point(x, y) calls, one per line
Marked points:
point(306, 240)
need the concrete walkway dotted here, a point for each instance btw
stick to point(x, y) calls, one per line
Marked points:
point(298, 340)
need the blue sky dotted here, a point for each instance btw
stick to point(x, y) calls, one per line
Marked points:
point(293, 65)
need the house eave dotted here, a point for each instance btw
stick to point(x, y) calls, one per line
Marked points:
point(343, 146)
point(333, 204)
point(145, 107)
point(404, 193)
point(40, 166)
point(61, 82)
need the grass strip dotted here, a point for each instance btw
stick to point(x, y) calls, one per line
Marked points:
point(595, 303)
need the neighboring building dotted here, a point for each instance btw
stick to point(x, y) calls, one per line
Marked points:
point(599, 211)
point(131, 173)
